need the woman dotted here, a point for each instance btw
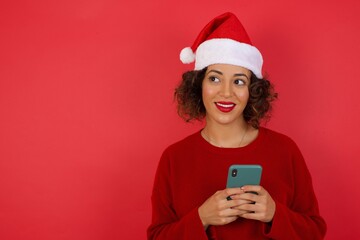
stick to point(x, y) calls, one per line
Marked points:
point(189, 198)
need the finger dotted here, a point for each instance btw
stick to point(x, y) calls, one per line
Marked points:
point(237, 196)
point(233, 203)
point(249, 208)
point(231, 212)
point(261, 216)
point(244, 212)
point(252, 215)
point(249, 197)
point(237, 202)
point(228, 192)
point(254, 188)
point(224, 204)
point(241, 212)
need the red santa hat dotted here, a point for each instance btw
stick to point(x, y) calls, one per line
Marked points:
point(224, 40)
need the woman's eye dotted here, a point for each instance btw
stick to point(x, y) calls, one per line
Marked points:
point(239, 82)
point(214, 79)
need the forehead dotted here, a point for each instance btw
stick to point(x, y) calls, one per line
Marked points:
point(228, 69)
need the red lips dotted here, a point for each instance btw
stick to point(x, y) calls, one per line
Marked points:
point(225, 106)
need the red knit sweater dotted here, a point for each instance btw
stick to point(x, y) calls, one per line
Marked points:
point(192, 170)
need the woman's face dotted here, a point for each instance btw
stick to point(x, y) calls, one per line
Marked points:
point(225, 93)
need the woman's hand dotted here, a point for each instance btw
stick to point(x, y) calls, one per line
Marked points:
point(262, 206)
point(218, 210)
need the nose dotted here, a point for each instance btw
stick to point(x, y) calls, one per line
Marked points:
point(226, 89)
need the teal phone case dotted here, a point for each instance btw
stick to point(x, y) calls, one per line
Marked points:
point(245, 175)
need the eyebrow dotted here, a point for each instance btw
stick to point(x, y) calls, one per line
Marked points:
point(235, 75)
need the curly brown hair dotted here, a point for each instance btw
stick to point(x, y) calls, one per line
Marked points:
point(191, 107)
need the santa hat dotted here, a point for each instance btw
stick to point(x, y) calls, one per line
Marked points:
point(224, 40)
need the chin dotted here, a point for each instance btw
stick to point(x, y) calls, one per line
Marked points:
point(226, 121)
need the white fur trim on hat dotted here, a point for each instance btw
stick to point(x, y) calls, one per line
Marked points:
point(228, 51)
point(187, 55)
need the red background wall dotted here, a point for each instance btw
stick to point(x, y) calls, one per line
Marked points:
point(86, 106)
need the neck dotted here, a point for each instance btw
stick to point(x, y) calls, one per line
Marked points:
point(228, 136)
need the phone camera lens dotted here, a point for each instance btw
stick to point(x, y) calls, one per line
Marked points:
point(234, 172)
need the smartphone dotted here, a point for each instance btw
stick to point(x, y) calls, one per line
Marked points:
point(240, 175)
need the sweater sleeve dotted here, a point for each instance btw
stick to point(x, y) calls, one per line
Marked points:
point(166, 224)
point(300, 220)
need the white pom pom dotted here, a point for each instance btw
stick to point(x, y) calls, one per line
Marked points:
point(187, 55)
